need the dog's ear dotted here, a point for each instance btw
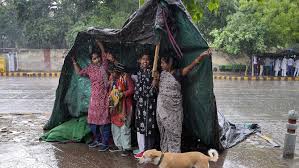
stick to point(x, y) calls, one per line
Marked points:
point(154, 153)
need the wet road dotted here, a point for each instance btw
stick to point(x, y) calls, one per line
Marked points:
point(27, 95)
point(256, 99)
point(26, 103)
point(263, 102)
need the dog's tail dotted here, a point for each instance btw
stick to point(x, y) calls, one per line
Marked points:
point(213, 155)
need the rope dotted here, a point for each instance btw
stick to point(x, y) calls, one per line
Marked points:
point(171, 38)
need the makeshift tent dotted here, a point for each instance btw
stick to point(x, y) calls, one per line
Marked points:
point(74, 130)
point(164, 21)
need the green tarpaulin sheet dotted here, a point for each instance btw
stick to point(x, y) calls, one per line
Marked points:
point(141, 32)
point(74, 130)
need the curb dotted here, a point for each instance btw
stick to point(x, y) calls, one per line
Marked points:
point(30, 74)
point(217, 77)
point(254, 78)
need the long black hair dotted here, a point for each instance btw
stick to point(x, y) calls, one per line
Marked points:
point(95, 52)
point(170, 60)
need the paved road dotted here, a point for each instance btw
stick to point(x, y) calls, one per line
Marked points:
point(256, 99)
point(262, 102)
point(249, 99)
point(27, 95)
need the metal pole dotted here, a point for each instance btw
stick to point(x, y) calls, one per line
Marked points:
point(290, 136)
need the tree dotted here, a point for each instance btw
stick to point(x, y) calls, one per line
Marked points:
point(216, 19)
point(55, 23)
point(258, 26)
point(39, 27)
point(282, 22)
point(9, 26)
point(196, 7)
point(109, 13)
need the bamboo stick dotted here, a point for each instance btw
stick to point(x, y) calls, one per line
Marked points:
point(156, 58)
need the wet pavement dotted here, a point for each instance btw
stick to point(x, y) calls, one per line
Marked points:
point(26, 103)
point(27, 95)
point(263, 102)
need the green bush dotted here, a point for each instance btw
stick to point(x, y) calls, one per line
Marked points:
point(232, 68)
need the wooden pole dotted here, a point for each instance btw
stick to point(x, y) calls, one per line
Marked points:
point(156, 58)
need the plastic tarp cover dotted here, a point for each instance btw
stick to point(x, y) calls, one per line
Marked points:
point(140, 33)
point(231, 134)
point(74, 130)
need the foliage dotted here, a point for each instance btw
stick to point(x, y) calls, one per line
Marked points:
point(8, 25)
point(110, 14)
point(197, 7)
point(258, 26)
point(232, 68)
point(235, 26)
point(54, 24)
point(216, 19)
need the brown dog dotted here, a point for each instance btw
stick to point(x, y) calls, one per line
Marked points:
point(179, 160)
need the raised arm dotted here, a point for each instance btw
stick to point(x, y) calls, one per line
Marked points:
point(188, 68)
point(101, 46)
point(106, 56)
point(76, 66)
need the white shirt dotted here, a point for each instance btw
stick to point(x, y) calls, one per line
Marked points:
point(277, 65)
point(297, 63)
point(284, 63)
point(254, 60)
point(290, 62)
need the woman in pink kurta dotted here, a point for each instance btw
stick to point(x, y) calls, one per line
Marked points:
point(98, 113)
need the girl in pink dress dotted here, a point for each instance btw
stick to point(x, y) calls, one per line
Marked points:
point(98, 115)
